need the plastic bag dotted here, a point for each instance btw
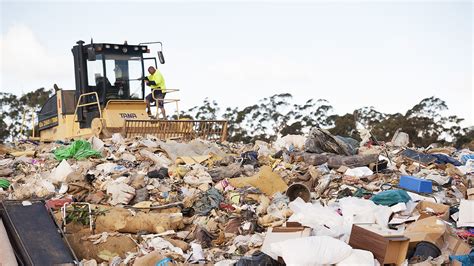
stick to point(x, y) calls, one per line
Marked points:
point(357, 210)
point(4, 183)
point(289, 141)
point(358, 257)
point(313, 250)
point(60, 173)
point(323, 220)
point(79, 149)
point(359, 171)
point(391, 197)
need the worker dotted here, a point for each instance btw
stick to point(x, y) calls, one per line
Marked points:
point(158, 90)
point(118, 72)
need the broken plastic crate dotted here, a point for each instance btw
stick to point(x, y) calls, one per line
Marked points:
point(415, 184)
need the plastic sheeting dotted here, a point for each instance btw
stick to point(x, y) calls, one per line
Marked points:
point(391, 197)
point(320, 140)
point(313, 250)
point(209, 200)
point(358, 257)
point(324, 220)
point(290, 142)
point(359, 171)
point(356, 210)
point(60, 173)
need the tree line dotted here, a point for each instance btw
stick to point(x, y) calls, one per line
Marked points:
point(278, 115)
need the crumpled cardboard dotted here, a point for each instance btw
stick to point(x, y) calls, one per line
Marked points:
point(470, 194)
point(124, 221)
point(87, 249)
point(456, 246)
point(431, 229)
point(428, 209)
point(266, 180)
point(149, 259)
point(192, 159)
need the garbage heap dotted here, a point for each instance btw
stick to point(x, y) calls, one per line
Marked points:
point(302, 200)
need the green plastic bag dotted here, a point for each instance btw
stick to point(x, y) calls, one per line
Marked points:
point(79, 149)
point(390, 197)
point(4, 183)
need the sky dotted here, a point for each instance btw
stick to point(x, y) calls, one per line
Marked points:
point(389, 55)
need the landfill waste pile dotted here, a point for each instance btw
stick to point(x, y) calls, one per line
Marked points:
point(301, 200)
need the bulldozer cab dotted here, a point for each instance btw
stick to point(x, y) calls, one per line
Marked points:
point(113, 71)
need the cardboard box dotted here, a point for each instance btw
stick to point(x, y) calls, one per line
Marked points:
point(281, 233)
point(428, 209)
point(386, 249)
point(457, 246)
point(431, 229)
point(470, 194)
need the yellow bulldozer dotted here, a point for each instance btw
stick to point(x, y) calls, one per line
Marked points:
point(109, 98)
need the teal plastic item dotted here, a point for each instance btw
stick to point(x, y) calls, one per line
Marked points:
point(391, 197)
point(164, 262)
point(79, 149)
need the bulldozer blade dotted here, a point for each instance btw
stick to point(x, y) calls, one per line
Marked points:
point(215, 130)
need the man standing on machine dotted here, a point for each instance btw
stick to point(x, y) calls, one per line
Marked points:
point(158, 90)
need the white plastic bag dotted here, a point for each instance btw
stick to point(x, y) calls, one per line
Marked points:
point(60, 173)
point(355, 210)
point(120, 193)
point(358, 257)
point(324, 220)
point(295, 141)
point(197, 177)
point(313, 250)
point(359, 171)
point(117, 138)
point(160, 161)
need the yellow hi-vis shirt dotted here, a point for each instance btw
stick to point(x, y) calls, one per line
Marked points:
point(159, 81)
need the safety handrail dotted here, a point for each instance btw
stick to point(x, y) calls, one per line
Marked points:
point(86, 104)
point(165, 101)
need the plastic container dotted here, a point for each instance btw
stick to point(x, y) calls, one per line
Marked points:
point(426, 249)
point(415, 184)
point(298, 190)
point(467, 157)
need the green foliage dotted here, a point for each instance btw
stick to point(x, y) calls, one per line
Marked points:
point(344, 126)
point(276, 116)
point(80, 214)
point(12, 109)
